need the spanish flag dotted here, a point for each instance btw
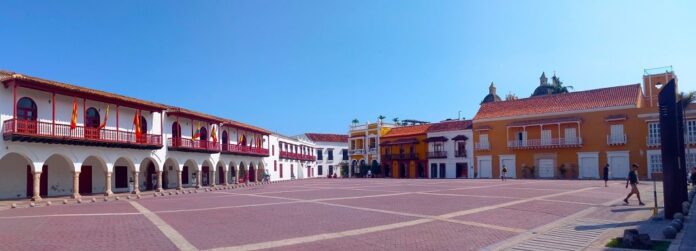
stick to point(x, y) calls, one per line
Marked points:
point(136, 122)
point(106, 117)
point(73, 120)
point(213, 134)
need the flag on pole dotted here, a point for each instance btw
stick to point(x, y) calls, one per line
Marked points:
point(136, 122)
point(73, 120)
point(106, 117)
point(197, 134)
point(213, 133)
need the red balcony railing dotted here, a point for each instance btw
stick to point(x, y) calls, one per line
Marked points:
point(297, 156)
point(29, 130)
point(193, 145)
point(245, 150)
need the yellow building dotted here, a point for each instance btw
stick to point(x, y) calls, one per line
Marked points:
point(571, 135)
point(364, 140)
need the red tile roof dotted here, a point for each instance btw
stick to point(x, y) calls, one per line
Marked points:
point(574, 101)
point(68, 89)
point(327, 137)
point(453, 125)
point(407, 131)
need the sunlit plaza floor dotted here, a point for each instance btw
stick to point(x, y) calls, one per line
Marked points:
point(321, 214)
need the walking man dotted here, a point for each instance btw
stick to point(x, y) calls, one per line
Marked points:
point(503, 176)
point(632, 180)
point(606, 174)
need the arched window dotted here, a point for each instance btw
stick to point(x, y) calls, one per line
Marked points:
point(93, 119)
point(176, 134)
point(204, 133)
point(225, 141)
point(26, 109)
point(143, 125)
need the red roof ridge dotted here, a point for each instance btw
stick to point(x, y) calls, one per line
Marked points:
point(570, 93)
point(327, 137)
point(407, 130)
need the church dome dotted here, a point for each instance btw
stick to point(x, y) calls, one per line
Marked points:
point(492, 96)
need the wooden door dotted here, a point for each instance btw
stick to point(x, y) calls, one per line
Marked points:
point(86, 180)
point(121, 176)
point(221, 175)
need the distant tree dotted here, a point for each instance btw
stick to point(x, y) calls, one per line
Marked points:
point(687, 98)
point(381, 117)
point(396, 121)
point(355, 121)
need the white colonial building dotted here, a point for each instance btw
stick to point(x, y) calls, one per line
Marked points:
point(450, 149)
point(291, 158)
point(61, 139)
point(331, 152)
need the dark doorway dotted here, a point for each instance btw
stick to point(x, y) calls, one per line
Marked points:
point(402, 170)
point(252, 173)
point(421, 171)
point(221, 175)
point(185, 175)
point(433, 170)
point(205, 176)
point(121, 176)
point(86, 180)
point(462, 170)
point(150, 176)
point(26, 113)
point(176, 134)
point(443, 170)
point(92, 123)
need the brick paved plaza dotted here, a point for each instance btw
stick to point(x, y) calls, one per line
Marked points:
point(320, 214)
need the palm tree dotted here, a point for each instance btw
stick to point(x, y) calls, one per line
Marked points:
point(356, 121)
point(396, 121)
point(687, 98)
point(381, 117)
point(558, 86)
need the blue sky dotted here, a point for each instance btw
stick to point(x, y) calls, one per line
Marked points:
point(312, 66)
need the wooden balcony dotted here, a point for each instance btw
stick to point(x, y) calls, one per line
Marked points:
point(437, 155)
point(356, 151)
point(545, 143)
point(245, 150)
point(189, 145)
point(55, 133)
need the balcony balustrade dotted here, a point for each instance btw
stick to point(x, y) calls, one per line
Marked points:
point(545, 143)
point(189, 145)
point(460, 153)
point(297, 156)
point(38, 131)
point(245, 150)
point(356, 151)
point(482, 146)
point(615, 140)
point(400, 156)
point(437, 155)
point(653, 141)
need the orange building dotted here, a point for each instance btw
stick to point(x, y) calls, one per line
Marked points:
point(571, 135)
point(404, 152)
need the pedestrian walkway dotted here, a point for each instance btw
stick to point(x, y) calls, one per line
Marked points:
point(576, 235)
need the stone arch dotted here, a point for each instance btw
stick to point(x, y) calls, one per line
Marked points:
point(147, 177)
point(260, 171)
point(58, 171)
point(221, 172)
point(233, 175)
point(122, 175)
point(170, 174)
point(189, 173)
point(93, 175)
point(16, 180)
point(207, 169)
point(252, 173)
point(243, 172)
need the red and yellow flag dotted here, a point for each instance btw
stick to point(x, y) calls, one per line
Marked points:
point(106, 117)
point(136, 122)
point(213, 134)
point(73, 119)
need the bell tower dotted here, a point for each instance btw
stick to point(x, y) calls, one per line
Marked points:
point(654, 79)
